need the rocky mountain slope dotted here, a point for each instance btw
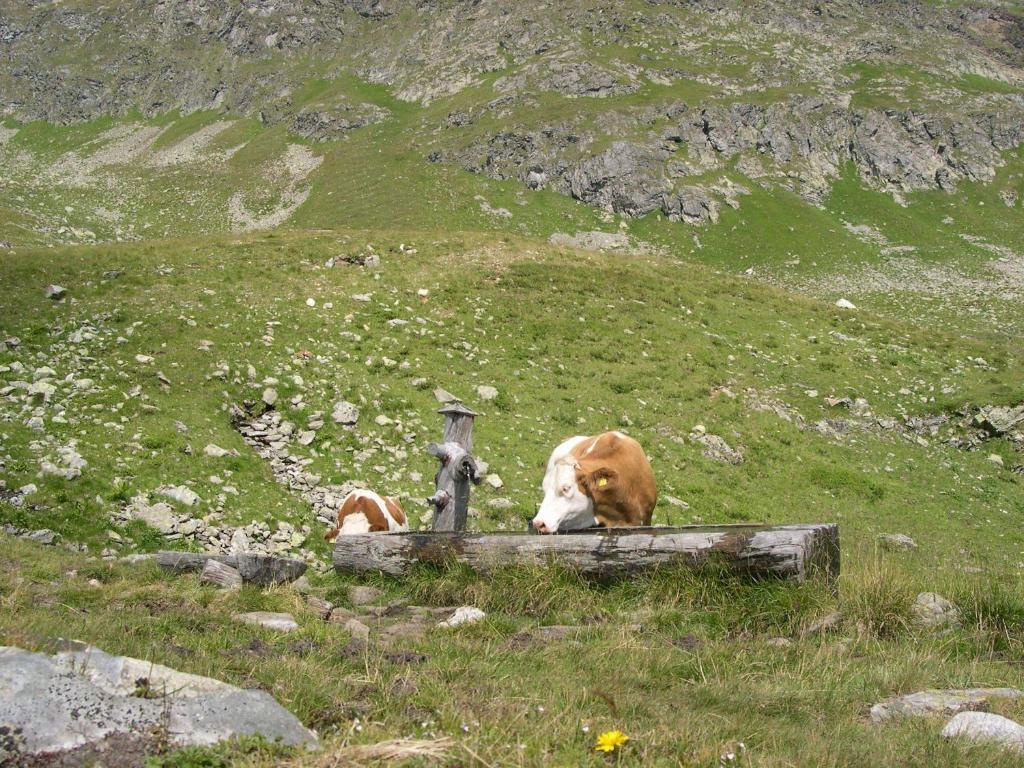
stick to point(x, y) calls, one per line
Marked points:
point(634, 108)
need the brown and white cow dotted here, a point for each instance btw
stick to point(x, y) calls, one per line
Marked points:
point(603, 480)
point(367, 512)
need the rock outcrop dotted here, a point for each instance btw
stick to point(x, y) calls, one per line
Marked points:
point(56, 706)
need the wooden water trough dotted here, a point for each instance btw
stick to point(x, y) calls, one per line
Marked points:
point(793, 552)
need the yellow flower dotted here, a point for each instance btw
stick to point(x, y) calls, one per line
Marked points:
point(609, 741)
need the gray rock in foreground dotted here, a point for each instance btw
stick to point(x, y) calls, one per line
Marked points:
point(945, 702)
point(984, 726)
point(65, 703)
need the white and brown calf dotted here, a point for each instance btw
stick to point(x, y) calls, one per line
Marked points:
point(367, 512)
point(603, 480)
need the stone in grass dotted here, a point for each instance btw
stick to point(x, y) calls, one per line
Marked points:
point(345, 413)
point(61, 706)
point(320, 607)
point(221, 575)
point(269, 397)
point(362, 595)
point(466, 614)
point(933, 610)
point(986, 727)
point(947, 701)
point(280, 622)
point(55, 292)
point(180, 493)
point(357, 629)
point(897, 541)
point(486, 393)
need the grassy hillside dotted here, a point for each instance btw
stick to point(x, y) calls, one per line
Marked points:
point(575, 342)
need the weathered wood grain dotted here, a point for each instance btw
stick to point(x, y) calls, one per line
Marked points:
point(458, 469)
point(787, 551)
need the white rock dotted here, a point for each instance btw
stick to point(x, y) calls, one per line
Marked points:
point(55, 292)
point(269, 396)
point(996, 459)
point(216, 452)
point(933, 610)
point(144, 359)
point(985, 726)
point(466, 614)
point(310, 302)
point(939, 701)
point(345, 413)
point(280, 622)
point(383, 421)
point(494, 481)
point(845, 304)
point(181, 494)
point(486, 393)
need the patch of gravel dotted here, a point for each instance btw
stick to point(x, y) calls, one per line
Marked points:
point(119, 145)
point(189, 149)
point(291, 169)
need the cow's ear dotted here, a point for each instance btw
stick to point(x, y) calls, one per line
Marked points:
point(599, 480)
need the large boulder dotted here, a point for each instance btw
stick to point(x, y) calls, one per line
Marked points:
point(984, 726)
point(61, 705)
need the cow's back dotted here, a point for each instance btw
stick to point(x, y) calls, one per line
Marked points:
point(630, 501)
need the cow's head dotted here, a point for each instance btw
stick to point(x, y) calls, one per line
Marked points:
point(569, 494)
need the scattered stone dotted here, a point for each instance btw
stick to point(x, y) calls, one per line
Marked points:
point(69, 464)
point(845, 304)
point(897, 541)
point(933, 610)
point(62, 705)
point(160, 515)
point(986, 727)
point(940, 701)
point(465, 614)
point(357, 629)
point(221, 575)
point(55, 292)
point(494, 481)
point(999, 420)
point(345, 413)
point(144, 359)
point(269, 397)
point(180, 493)
point(829, 623)
point(591, 241)
point(445, 397)
point(216, 452)
point(486, 393)
point(321, 607)
point(362, 595)
point(279, 622)
point(715, 447)
point(996, 459)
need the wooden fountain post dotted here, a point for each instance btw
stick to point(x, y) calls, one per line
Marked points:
point(458, 469)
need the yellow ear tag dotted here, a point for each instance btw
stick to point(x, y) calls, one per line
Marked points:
point(602, 482)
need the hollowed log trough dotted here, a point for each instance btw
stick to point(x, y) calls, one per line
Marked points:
point(793, 552)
